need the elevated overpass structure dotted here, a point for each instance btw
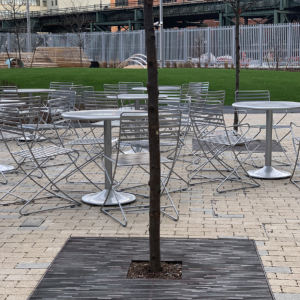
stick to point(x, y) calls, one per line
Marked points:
point(180, 15)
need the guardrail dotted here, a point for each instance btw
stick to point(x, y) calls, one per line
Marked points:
point(119, 5)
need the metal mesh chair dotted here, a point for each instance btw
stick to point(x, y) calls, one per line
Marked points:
point(264, 95)
point(214, 138)
point(118, 88)
point(130, 85)
point(190, 90)
point(56, 85)
point(134, 129)
point(12, 121)
point(171, 93)
point(101, 100)
point(8, 92)
point(79, 103)
point(66, 100)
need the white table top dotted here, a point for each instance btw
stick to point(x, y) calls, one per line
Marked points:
point(267, 105)
point(160, 88)
point(138, 96)
point(9, 100)
point(7, 104)
point(30, 91)
point(98, 115)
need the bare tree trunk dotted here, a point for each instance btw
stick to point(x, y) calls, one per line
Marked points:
point(152, 87)
point(32, 57)
point(237, 57)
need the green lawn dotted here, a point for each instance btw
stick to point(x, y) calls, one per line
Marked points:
point(282, 85)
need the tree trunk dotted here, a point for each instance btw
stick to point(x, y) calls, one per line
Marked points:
point(152, 87)
point(237, 56)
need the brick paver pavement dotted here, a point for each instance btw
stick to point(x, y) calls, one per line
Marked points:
point(269, 214)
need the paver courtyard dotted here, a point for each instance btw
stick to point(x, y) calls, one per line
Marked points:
point(269, 214)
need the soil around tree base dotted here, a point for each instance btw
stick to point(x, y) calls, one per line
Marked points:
point(141, 269)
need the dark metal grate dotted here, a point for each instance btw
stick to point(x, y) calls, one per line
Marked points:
point(96, 268)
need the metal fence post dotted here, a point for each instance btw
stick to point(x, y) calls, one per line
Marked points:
point(289, 50)
point(260, 45)
point(122, 46)
point(141, 41)
point(84, 40)
point(68, 41)
point(8, 42)
point(51, 40)
point(185, 44)
point(208, 44)
point(103, 46)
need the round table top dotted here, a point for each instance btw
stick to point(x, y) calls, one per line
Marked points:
point(9, 100)
point(267, 105)
point(99, 115)
point(16, 103)
point(30, 91)
point(160, 88)
point(137, 96)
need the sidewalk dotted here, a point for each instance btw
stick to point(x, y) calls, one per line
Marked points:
point(269, 214)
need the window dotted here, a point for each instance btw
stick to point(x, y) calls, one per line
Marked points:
point(121, 3)
point(55, 2)
point(52, 3)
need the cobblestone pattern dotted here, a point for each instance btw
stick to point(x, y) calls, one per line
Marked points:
point(271, 217)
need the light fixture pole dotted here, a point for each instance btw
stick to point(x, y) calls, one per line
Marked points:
point(161, 36)
point(28, 27)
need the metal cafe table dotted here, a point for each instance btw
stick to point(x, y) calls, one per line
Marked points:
point(137, 98)
point(268, 172)
point(31, 91)
point(160, 88)
point(107, 116)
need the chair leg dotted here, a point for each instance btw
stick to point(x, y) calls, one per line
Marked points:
point(106, 211)
point(240, 164)
point(295, 182)
point(4, 177)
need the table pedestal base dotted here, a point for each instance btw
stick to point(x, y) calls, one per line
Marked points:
point(5, 168)
point(99, 198)
point(268, 172)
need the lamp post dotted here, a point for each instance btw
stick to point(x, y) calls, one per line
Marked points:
point(161, 37)
point(28, 27)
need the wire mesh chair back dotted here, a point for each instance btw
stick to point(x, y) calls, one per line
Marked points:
point(57, 85)
point(79, 95)
point(131, 85)
point(188, 90)
point(171, 93)
point(118, 88)
point(252, 95)
point(68, 87)
point(14, 118)
point(100, 100)
point(183, 105)
point(134, 127)
point(204, 85)
point(68, 95)
point(207, 110)
point(57, 107)
point(8, 92)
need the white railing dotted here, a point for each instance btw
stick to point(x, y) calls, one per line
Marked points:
point(260, 45)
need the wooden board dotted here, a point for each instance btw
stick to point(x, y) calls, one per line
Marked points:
point(65, 57)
